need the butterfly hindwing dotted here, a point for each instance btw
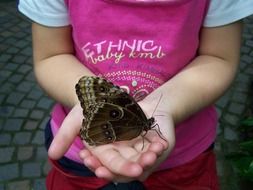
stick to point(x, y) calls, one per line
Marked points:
point(120, 124)
point(110, 114)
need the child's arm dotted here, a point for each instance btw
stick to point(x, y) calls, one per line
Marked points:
point(56, 68)
point(207, 77)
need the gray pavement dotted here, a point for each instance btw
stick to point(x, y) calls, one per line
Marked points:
point(25, 109)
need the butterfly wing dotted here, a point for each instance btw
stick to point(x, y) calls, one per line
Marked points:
point(110, 114)
point(110, 123)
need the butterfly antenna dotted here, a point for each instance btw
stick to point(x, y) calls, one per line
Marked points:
point(157, 104)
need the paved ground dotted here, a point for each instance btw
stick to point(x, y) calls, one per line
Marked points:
point(25, 109)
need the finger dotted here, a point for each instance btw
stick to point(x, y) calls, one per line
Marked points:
point(103, 172)
point(92, 163)
point(157, 148)
point(66, 134)
point(84, 153)
point(154, 138)
point(147, 159)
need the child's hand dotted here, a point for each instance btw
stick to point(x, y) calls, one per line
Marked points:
point(120, 161)
point(126, 161)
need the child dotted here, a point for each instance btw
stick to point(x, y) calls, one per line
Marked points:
point(184, 51)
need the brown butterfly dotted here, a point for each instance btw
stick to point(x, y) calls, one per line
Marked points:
point(110, 114)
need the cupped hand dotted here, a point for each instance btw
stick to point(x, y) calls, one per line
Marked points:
point(120, 161)
point(106, 165)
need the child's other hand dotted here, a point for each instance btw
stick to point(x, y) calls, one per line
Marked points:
point(67, 133)
point(126, 160)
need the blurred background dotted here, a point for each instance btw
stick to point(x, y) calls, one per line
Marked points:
point(25, 109)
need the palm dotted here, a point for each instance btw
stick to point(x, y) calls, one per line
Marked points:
point(119, 161)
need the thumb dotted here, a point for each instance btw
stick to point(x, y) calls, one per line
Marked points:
point(67, 133)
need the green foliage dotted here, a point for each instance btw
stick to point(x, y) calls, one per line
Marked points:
point(242, 159)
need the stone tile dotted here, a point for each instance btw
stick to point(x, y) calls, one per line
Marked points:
point(25, 153)
point(46, 168)
point(44, 123)
point(6, 154)
point(243, 78)
point(45, 103)
point(230, 134)
point(41, 153)
point(245, 49)
point(19, 59)
point(6, 34)
point(30, 76)
point(219, 130)
point(246, 58)
point(10, 41)
point(236, 108)
point(11, 67)
point(2, 123)
point(37, 114)
point(13, 172)
point(16, 78)
point(21, 43)
point(249, 71)
point(27, 51)
point(24, 69)
point(19, 185)
point(219, 111)
point(39, 138)
point(13, 125)
point(249, 42)
point(21, 113)
point(13, 50)
point(220, 169)
point(5, 139)
point(5, 57)
point(231, 119)
point(5, 73)
point(6, 111)
point(240, 97)
point(31, 169)
point(35, 94)
point(243, 65)
point(25, 86)
point(7, 88)
point(31, 125)
point(22, 138)
point(15, 98)
point(39, 184)
point(242, 87)
point(222, 102)
point(29, 104)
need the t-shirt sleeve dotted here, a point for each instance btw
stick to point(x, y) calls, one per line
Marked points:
point(51, 13)
point(222, 12)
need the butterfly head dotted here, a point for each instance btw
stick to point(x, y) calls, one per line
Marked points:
point(150, 124)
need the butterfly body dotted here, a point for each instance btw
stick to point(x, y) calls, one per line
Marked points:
point(110, 114)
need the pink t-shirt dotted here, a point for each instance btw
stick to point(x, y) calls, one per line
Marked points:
point(139, 46)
